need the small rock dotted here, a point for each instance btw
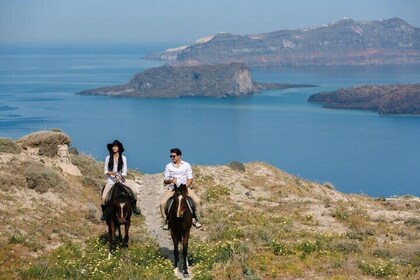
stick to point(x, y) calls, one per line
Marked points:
point(73, 151)
point(249, 195)
point(237, 166)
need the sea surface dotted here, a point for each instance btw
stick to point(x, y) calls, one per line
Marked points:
point(356, 151)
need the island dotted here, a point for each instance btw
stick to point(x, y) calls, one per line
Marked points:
point(346, 42)
point(220, 80)
point(385, 99)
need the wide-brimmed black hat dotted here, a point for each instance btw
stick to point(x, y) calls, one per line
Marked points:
point(115, 143)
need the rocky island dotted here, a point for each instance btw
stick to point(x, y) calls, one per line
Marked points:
point(219, 80)
point(385, 99)
point(346, 42)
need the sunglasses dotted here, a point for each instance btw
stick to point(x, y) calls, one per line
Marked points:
point(172, 156)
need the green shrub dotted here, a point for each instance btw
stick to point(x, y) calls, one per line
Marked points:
point(93, 183)
point(377, 269)
point(346, 246)
point(280, 249)
point(412, 221)
point(215, 193)
point(88, 166)
point(43, 178)
point(308, 246)
point(415, 261)
point(249, 273)
point(9, 146)
point(382, 253)
point(17, 239)
point(10, 181)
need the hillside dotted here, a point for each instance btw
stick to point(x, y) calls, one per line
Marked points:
point(259, 223)
point(346, 42)
point(220, 80)
point(385, 99)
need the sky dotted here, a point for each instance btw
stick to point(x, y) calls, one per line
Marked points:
point(163, 21)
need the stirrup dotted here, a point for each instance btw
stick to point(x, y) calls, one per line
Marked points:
point(104, 215)
point(136, 211)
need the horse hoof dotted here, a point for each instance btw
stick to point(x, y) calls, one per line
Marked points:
point(185, 274)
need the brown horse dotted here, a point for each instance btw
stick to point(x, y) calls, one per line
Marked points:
point(120, 211)
point(180, 221)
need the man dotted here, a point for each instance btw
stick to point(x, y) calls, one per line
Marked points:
point(178, 172)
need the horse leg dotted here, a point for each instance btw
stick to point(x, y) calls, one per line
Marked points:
point(176, 251)
point(126, 237)
point(111, 229)
point(119, 232)
point(185, 252)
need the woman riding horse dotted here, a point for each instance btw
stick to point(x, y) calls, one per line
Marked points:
point(180, 221)
point(116, 163)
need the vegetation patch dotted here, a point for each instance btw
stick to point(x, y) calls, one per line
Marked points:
point(42, 178)
point(9, 146)
point(93, 261)
point(377, 268)
point(215, 193)
point(88, 166)
point(10, 182)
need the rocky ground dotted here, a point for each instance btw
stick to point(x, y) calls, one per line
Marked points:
point(258, 220)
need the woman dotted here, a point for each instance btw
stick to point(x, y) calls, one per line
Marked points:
point(115, 169)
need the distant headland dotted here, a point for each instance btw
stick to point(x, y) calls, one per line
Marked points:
point(221, 80)
point(385, 99)
point(346, 42)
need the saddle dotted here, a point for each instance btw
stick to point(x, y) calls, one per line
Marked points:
point(126, 191)
point(190, 204)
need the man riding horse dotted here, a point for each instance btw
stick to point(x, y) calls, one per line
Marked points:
point(177, 173)
point(115, 168)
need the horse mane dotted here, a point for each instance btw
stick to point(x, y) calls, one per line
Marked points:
point(181, 190)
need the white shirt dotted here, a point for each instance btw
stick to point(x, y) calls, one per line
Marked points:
point(182, 173)
point(111, 179)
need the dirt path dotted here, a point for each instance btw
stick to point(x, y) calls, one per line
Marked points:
point(151, 190)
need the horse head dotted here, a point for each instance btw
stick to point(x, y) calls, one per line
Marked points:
point(180, 196)
point(121, 203)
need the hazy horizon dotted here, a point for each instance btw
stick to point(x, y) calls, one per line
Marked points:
point(164, 21)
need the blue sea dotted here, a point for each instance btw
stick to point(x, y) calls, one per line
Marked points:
point(357, 151)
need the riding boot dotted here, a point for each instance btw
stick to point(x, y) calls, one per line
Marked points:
point(165, 225)
point(136, 210)
point(197, 219)
point(104, 216)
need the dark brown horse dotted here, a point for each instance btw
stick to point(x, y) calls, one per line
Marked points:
point(120, 211)
point(180, 221)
